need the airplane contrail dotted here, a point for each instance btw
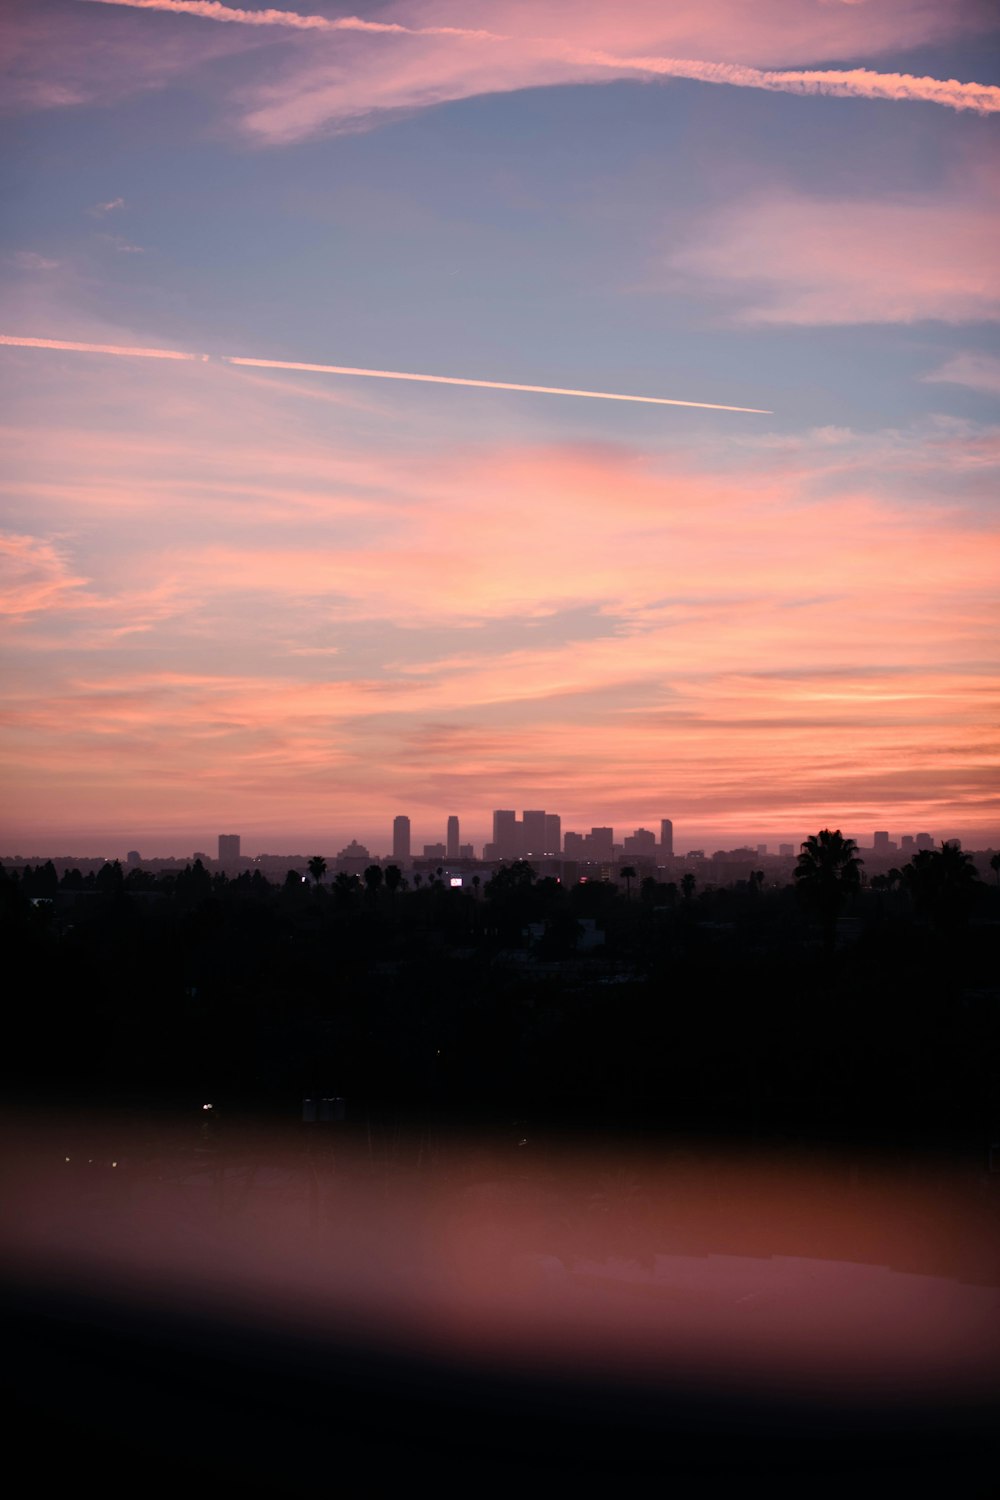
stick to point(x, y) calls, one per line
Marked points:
point(844, 83)
point(213, 10)
point(350, 370)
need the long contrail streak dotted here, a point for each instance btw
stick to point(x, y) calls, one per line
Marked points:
point(283, 364)
point(212, 10)
point(844, 83)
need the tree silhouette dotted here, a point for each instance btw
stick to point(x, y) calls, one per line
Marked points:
point(942, 885)
point(627, 873)
point(393, 879)
point(827, 874)
point(687, 885)
point(373, 879)
point(317, 867)
point(995, 866)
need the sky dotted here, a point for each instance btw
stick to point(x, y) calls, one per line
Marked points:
point(292, 603)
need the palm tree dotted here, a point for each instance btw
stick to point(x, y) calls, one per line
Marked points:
point(942, 883)
point(393, 879)
point(317, 867)
point(688, 883)
point(827, 874)
point(627, 873)
point(373, 879)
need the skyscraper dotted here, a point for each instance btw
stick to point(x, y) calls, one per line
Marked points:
point(505, 834)
point(553, 833)
point(534, 834)
point(601, 842)
point(401, 837)
point(666, 838)
point(229, 848)
point(452, 837)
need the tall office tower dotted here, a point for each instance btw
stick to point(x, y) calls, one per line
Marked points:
point(907, 843)
point(575, 845)
point(880, 843)
point(925, 841)
point(553, 833)
point(133, 858)
point(401, 837)
point(602, 843)
point(506, 835)
point(453, 837)
point(229, 848)
point(533, 824)
point(641, 844)
point(666, 838)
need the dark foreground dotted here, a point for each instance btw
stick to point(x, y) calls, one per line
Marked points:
point(281, 1310)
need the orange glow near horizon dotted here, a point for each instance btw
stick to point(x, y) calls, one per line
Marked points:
point(669, 643)
point(295, 599)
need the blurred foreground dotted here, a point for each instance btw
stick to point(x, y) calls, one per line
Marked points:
point(275, 1305)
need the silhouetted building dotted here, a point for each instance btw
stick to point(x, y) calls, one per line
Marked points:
point(907, 843)
point(786, 849)
point(925, 841)
point(229, 848)
point(401, 837)
point(133, 858)
point(553, 833)
point(575, 846)
point(353, 859)
point(466, 851)
point(533, 834)
point(641, 844)
point(506, 835)
point(452, 840)
point(762, 850)
point(881, 844)
point(435, 851)
point(601, 843)
point(666, 838)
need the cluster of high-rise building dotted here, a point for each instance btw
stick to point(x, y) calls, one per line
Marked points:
point(537, 834)
point(908, 844)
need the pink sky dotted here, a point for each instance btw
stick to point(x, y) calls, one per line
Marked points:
point(293, 605)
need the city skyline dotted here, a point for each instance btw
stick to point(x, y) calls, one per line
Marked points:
point(320, 496)
point(402, 842)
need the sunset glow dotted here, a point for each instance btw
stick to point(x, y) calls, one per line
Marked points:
point(758, 596)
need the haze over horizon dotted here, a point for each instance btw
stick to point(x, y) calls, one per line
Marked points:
point(244, 595)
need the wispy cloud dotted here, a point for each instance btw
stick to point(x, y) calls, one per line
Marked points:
point(31, 260)
point(211, 10)
point(34, 577)
point(518, 60)
point(99, 209)
point(790, 258)
point(980, 372)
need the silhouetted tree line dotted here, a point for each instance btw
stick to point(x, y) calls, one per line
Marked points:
point(821, 1005)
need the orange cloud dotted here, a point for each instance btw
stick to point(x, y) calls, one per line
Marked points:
point(297, 631)
point(34, 577)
